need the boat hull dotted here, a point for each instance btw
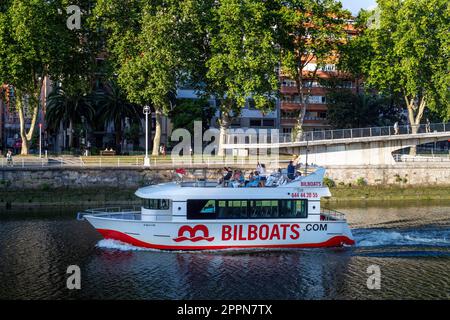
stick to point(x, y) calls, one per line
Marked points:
point(229, 234)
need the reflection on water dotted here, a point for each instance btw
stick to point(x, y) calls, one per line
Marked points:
point(410, 243)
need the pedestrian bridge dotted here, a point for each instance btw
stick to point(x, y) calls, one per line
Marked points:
point(360, 146)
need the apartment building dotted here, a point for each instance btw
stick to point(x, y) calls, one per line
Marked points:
point(316, 104)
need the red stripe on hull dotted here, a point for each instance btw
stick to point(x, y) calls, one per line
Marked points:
point(336, 241)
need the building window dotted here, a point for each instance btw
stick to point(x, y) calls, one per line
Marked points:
point(329, 67)
point(262, 122)
point(268, 122)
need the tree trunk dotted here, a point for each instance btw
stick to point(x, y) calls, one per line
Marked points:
point(26, 136)
point(303, 97)
point(157, 138)
point(224, 124)
point(415, 113)
point(70, 134)
point(118, 129)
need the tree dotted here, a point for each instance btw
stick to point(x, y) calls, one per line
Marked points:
point(35, 45)
point(112, 105)
point(150, 48)
point(309, 34)
point(358, 110)
point(242, 58)
point(66, 109)
point(408, 55)
point(186, 111)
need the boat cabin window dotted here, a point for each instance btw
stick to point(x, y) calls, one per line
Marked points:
point(156, 204)
point(243, 209)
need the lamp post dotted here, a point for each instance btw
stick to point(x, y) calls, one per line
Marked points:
point(146, 159)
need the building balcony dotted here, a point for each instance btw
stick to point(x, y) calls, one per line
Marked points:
point(287, 90)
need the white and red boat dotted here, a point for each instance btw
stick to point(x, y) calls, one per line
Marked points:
point(206, 216)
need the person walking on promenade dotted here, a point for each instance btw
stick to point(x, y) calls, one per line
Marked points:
point(428, 126)
point(396, 127)
point(9, 160)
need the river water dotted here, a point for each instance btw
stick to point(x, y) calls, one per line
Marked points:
point(409, 242)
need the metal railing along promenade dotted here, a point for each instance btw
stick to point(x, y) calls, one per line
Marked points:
point(188, 162)
point(365, 132)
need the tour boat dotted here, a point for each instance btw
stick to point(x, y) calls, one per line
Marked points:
point(204, 215)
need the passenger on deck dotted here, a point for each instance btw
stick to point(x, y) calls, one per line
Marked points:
point(291, 170)
point(228, 173)
point(261, 169)
point(238, 179)
point(253, 180)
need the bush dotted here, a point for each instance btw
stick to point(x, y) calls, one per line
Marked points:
point(361, 182)
point(399, 179)
point(329, 182)
point(45, 187)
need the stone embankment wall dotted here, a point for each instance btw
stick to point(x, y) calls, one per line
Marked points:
point(36, 178)
point(413, 174)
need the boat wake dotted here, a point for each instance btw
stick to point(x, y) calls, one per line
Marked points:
point(119, 245)
point(402, 237)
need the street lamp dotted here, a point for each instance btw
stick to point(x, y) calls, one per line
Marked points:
point(146, 159)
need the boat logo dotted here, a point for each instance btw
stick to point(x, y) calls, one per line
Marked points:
point(193, 231)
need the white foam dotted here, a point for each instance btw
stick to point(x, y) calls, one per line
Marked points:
point(370, 238)
point(118, 245)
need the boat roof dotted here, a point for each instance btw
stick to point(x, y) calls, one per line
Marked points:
point(310, 186)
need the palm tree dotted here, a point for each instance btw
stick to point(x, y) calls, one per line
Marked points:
point(68, 109)
point(113, 106)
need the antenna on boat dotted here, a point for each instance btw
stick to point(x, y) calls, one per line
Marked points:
point(306, 164)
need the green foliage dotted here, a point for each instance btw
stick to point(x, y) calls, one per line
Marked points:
point(133, 133)
point(5, 183)
point(399, 179)
point(149, 45)
point(406, 52)
point(351, 110)
point(242, 57)
point(187, 111)
point(34, 44)
point(329, 182)
point(361, 181)
point(309, 33)
point(64, 107)
point(45, 187)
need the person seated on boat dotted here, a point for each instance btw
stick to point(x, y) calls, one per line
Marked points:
point(249, 179)
point(298, 175)
point(237, 180)
point(180, 172)
point(239, 177)
point(291, 170)
point(254, 182)
point(228, 173)
point(272, 179)
point(261, 169)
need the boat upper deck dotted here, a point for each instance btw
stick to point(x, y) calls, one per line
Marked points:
point(310, 186)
